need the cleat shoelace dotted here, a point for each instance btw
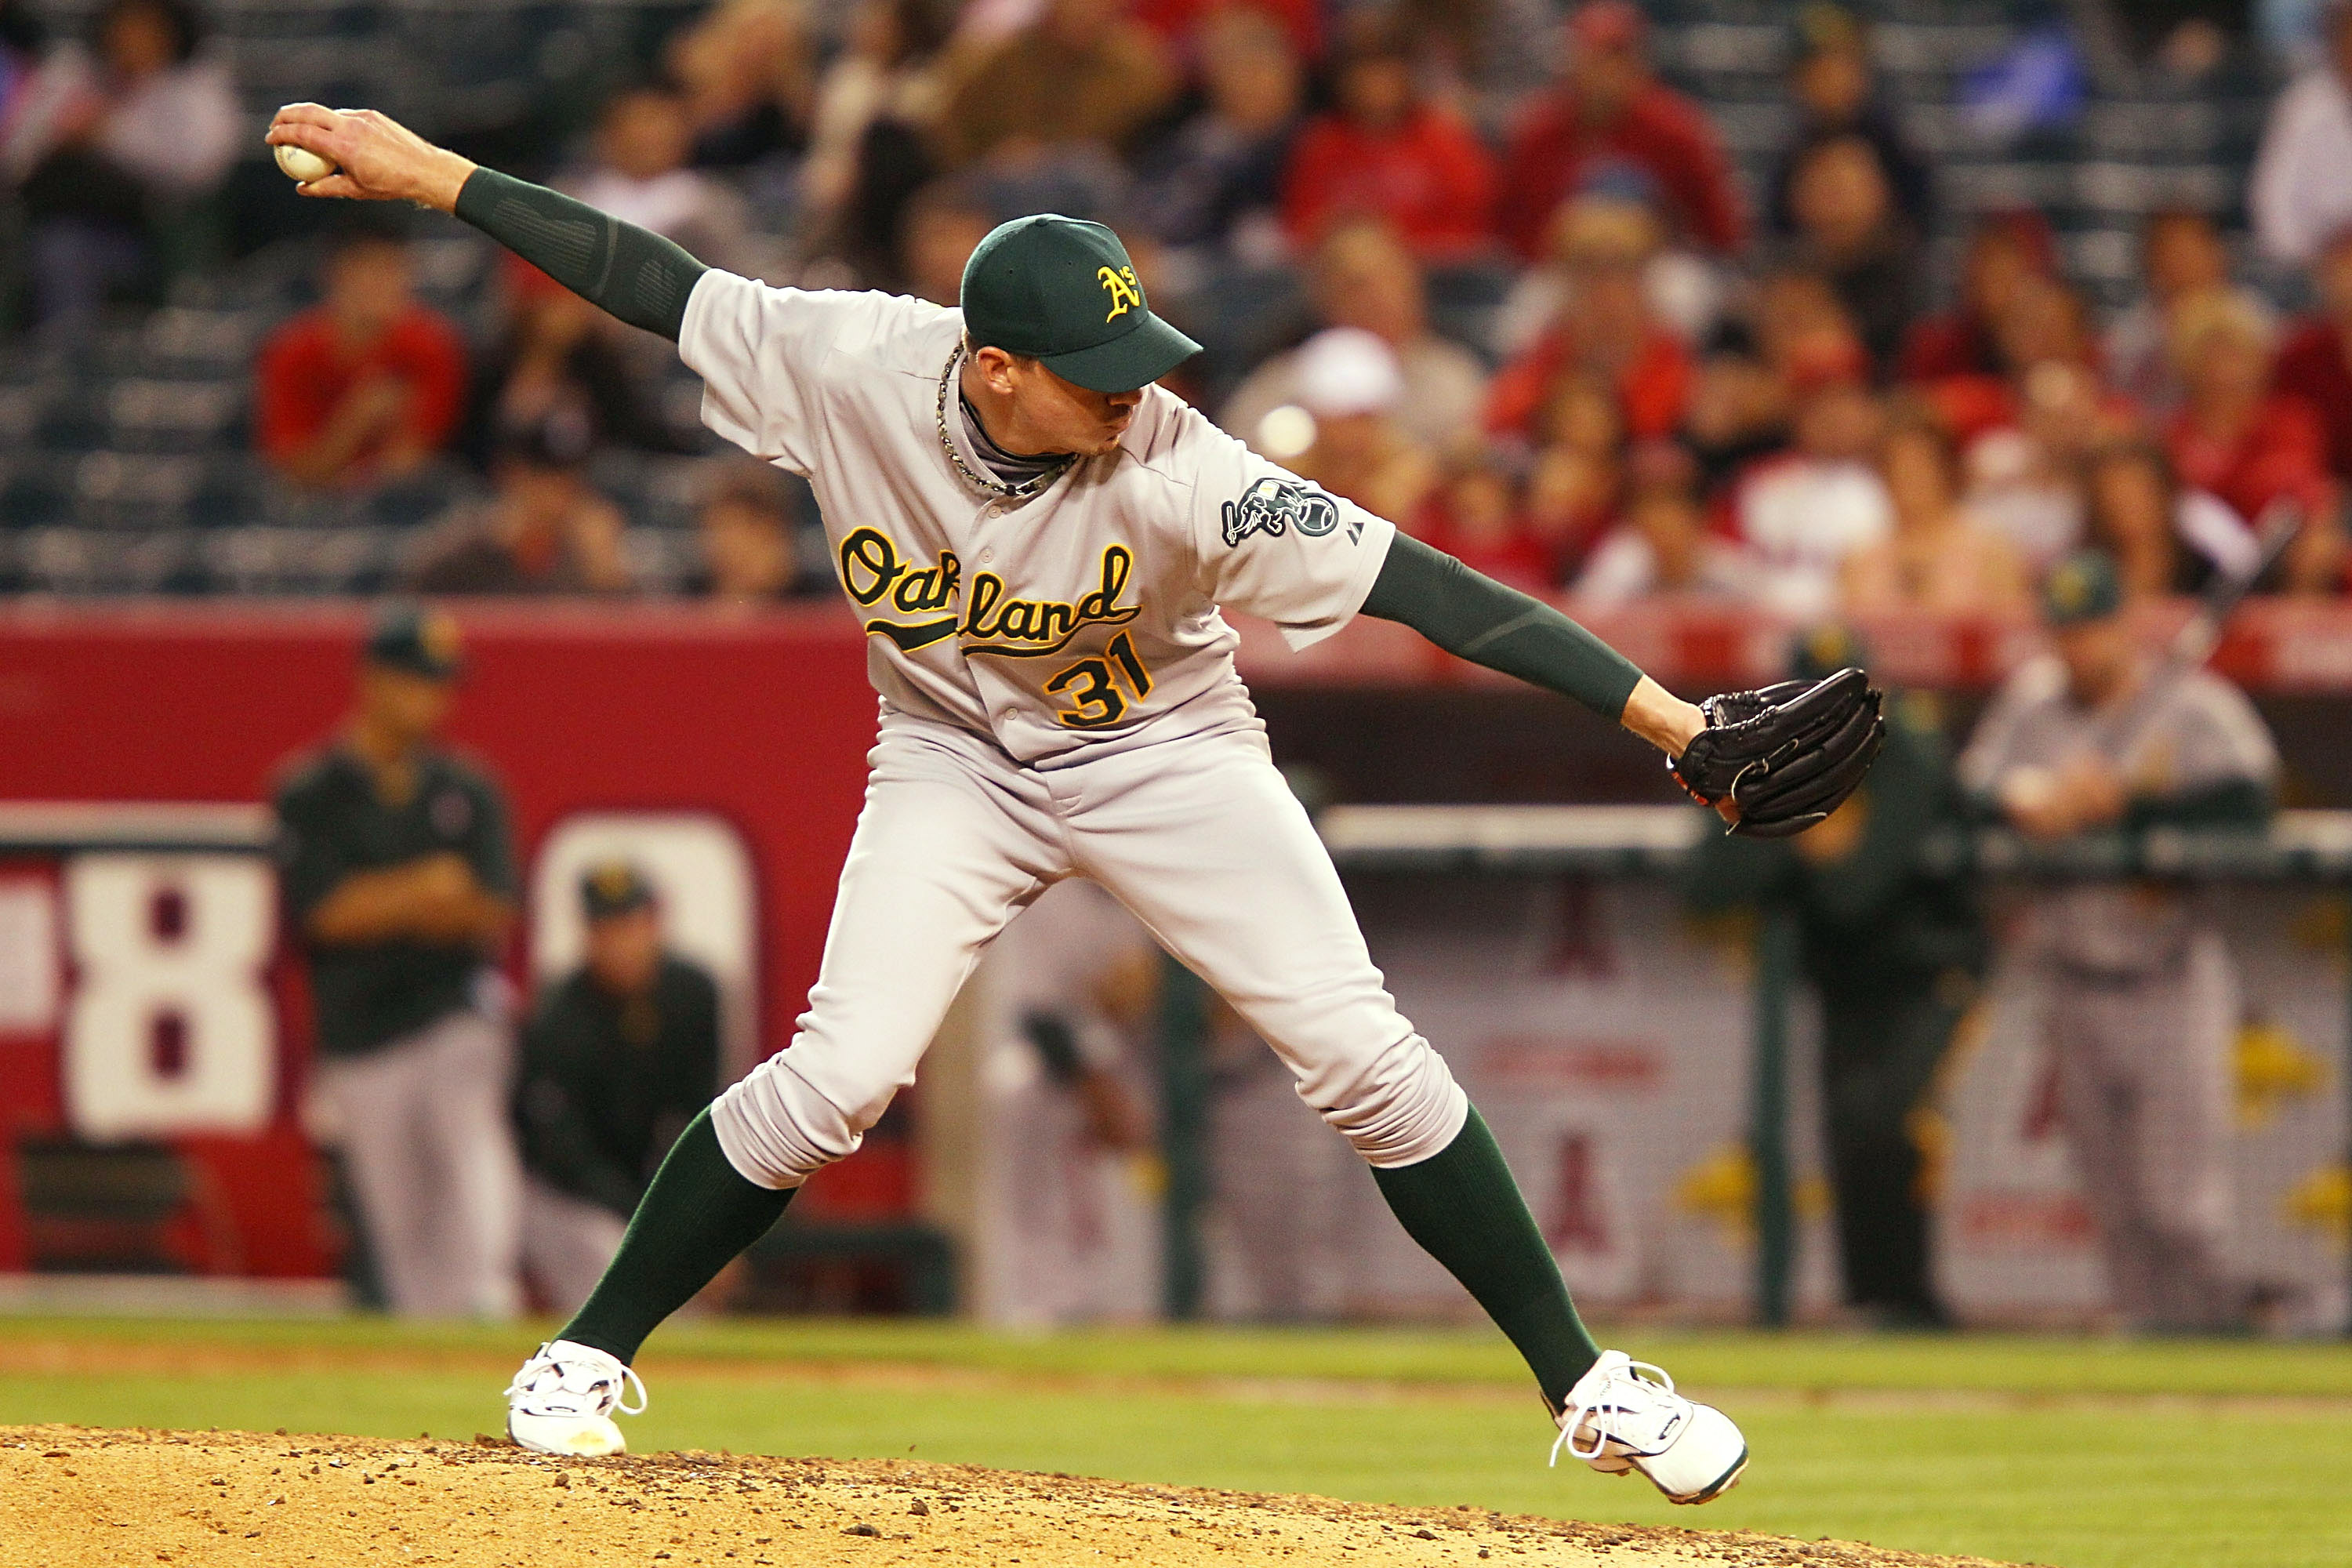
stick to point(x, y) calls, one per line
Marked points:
point(1603, 1402)
point(578, 1377)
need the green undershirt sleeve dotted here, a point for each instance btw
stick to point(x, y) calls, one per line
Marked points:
point(1472, 617)
point(635, 274)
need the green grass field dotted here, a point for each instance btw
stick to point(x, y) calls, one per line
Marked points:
point(2076, 1453)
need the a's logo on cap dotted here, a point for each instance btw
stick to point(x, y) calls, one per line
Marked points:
point(613, 882)
point(1124, 290)
point(2070, 588)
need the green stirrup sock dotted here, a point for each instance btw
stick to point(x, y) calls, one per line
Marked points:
point(697, 1216)
point(1464, 1209)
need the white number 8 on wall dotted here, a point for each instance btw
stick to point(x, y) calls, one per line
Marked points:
point(171, 1031)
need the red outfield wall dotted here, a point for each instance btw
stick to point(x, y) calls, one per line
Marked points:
point(761, 721)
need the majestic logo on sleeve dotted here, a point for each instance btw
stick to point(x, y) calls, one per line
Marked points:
point(991, 619)
point(1272, 505)
point(1120, 285)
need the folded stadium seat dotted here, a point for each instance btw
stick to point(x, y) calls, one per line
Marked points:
point(1734, 13)
point(2105, 262)
point(1463, 300)
point(622, 479)
point(108, 560)
point(36, 489)
point(1981, 184)
point(135, 490)
point(54, 559)
point(349, 559)
point(74, 415)
point(271, 71)
point(192, 340)
point(1749, 51)
point(420, 499)
point(22, 406)
point(282, 505)
point(472, 71)
point(456, 275)
point(175, 415)
point(668, 490)
point(230, 493)
point(354, 20)
point(1753, 133)
point(2124, 129)
point(662, 561)
point(1961, 13)
point(681, 401)
point(1939, 49)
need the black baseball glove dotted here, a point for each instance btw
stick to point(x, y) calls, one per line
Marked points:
point(1786, 755)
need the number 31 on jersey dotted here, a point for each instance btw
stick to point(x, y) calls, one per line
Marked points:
point(1099, 690)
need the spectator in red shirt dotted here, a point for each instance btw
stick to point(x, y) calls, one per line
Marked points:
point(365, 388)
point(1387, 152)
point(1605, 332)
point(2042, 323)
point(2007, 251)
point(2316, 363)
point(1609, 109)
point(2251, 446)
point(2236, 437)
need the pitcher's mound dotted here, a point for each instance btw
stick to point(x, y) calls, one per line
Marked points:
point(71, 1496)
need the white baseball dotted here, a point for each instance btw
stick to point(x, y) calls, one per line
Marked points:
point(302, 165)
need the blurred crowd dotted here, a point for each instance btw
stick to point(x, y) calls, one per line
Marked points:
point(1476, 266)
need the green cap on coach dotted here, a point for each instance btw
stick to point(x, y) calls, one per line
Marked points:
point(2082, 587)
point(1062, 291)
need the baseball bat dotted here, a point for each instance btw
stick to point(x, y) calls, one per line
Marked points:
point(2194, 643)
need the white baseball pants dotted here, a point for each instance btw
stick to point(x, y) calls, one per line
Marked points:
point(2145, 1097)
point(433, 1163)
point(567, 1243)
point(1198, 835)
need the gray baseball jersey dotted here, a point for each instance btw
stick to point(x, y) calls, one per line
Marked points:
point(2187, 731)
point(1078, 620)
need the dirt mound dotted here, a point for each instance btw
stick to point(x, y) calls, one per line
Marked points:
point(71, 1496)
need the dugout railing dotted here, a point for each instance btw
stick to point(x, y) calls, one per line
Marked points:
point(2311, 848)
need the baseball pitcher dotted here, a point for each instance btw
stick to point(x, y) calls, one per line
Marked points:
point(1037, 539)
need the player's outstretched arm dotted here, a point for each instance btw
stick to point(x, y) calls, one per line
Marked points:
point(1471, 615)
point(636, 274)
point(1771, 763)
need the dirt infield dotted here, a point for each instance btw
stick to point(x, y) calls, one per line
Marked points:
point(72, 1495)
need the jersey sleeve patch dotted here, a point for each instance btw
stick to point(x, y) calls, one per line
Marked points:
point(1274, 506)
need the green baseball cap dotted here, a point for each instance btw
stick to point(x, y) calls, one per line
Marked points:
point(1062, 291)
point(613, 887)
point(415, 639)
point(2082, 588)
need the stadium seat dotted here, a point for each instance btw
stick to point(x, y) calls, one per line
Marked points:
point(151, 415)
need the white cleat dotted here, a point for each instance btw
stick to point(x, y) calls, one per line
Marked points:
point(563, 1400)
point(1624, 1415)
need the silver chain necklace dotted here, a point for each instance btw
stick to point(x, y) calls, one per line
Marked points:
point(987, 484)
